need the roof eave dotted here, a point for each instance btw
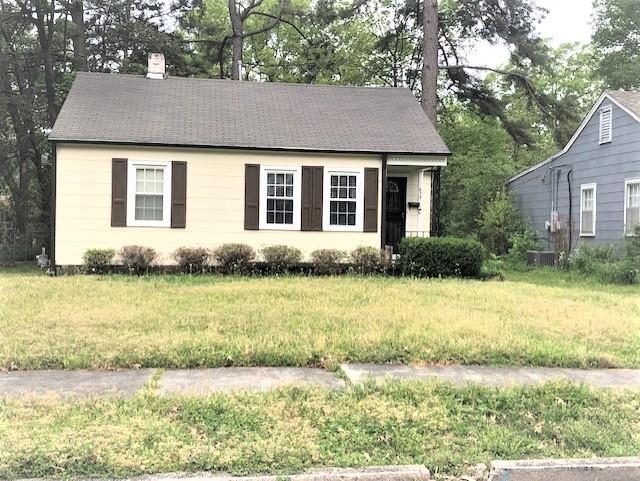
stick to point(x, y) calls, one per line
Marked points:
point(254, 148)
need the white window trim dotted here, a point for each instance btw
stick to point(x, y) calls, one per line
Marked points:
point(607, 109)
point(584, 187)
point(627, 182)
point(359, 173)
point(131, 194)
point(297, 199)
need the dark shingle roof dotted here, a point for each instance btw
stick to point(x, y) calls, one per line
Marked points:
point(118, 108)
point(630, 100)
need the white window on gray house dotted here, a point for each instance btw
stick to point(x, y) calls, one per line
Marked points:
point(280, 196)
point(631, 205)
point(606, 124)
point(588, 210)
point(149, 195)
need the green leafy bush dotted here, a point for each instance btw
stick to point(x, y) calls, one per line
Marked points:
point(97, 261)
point(604, 263)
point(522, 242)
point(366, 259)
point(440, 257)
point(632, 247)
point(327, 261)
point(499, 221)
point(137, 259)
point(585, 258)
point(234, 258)
point(616, 273)
point(191, 259)
point(281, 258)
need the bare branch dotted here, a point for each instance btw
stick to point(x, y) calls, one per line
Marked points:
point(283, 20)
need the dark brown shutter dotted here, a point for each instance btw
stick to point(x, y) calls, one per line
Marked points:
point(178, 195)
point(118, 192)
point(311, 218)
point(251, 196)
point(370, 200)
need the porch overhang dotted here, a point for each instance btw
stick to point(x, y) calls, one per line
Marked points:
point(424, 161)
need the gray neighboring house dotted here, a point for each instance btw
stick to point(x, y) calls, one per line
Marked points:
point(590, 190)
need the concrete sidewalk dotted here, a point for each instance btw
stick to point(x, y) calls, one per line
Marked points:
point(496, 376)
point(128, 382)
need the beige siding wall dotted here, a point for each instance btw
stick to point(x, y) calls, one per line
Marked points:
point(215, 201)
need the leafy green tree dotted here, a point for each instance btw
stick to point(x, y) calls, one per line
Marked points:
point(484, 157)
point(616, 40)
point(499, 222)
point(569, 83)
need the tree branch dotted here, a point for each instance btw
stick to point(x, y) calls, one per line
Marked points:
point(283, 20)
point(531, 91)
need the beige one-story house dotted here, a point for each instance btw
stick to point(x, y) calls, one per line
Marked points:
point(170, 162)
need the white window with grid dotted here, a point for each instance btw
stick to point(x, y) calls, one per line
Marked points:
point(588, 210)
point(631, 206)
point(343, 197)
point(280, 198)
point(149, 194)
point(606, 124)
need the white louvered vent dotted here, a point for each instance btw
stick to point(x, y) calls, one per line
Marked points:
point(606, 124)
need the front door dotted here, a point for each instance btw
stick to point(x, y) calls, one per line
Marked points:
point(396, 211)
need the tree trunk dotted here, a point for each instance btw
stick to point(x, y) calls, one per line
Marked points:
point(430, 60)
point(79, 36)
point(236, 40)
point(44, 28)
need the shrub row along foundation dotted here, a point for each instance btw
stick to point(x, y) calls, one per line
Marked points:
point(419, 257)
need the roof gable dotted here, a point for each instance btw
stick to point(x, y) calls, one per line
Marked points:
point(117, 108)
point(629, 102)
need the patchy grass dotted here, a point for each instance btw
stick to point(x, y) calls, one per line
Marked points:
point(289, 430)
point(184, 321)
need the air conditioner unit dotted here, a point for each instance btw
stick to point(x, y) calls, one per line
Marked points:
point(542, 258)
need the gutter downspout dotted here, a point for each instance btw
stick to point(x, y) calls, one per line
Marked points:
point(570, 209)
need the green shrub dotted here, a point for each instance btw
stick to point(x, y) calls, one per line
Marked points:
point(440, 257)
point(191, 259)
point(281, 258)
point(585, 258)
point(522, 242)
point(97, 261)
point(234, 258)
point(137, 259)
point(632, 247)
point(499, 221)
point(616, 273)
point(327, 261)
point(366, 259)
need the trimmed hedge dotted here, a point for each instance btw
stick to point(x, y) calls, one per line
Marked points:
point(192, 260)
point(440, 257)
point(234, 258)
point(281, 258)
point(137, 259)
point(98, 261)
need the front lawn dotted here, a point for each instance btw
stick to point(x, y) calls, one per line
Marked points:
point(183, 321)
point(288, 430)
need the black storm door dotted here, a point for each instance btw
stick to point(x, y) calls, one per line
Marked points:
point(396, 210)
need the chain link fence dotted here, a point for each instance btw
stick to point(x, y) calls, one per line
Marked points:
point(16, 246)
